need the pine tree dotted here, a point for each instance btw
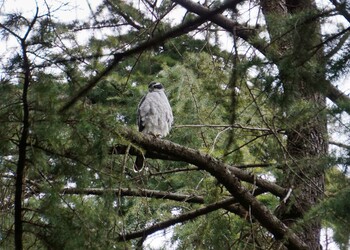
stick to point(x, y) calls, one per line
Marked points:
point(247, 162)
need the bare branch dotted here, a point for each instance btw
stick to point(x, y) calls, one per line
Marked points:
point(341, 145)
point(176, 170)
point(10, 31)
point(244, 32)
point(254, 179)
point(121, 149)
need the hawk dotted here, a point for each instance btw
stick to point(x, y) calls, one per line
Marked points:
point(154, 116)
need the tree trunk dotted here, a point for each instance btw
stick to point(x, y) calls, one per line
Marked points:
point(301, 71)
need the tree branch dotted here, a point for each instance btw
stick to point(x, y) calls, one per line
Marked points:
point(178, 219)
point(339, 144)
point(197, 199)
point(338, 97)
point(234, 169)
point(244, 32)
point(239, 126)
point(127, 18)
point(223, 173)
point(136, 193)
point(122, 149)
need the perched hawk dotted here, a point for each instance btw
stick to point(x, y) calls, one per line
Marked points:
point(154, 116)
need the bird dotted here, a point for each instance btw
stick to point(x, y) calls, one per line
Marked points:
point(154, 116)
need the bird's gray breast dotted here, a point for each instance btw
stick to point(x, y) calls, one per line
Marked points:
point(154, 114)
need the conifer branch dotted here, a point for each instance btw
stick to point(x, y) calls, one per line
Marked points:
point(176, 170)
point(127, 18)
point(136, 193)
point(178, 219)
point(147, 193)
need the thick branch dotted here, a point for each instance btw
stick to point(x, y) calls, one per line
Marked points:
point(338, 97)
point(223, 174)
point(122, 149)
point(246, 33)
point(239, 173)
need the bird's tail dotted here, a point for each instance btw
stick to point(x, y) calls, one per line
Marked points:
point(139, 163)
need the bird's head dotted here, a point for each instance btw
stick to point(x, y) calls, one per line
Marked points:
point(155, 86)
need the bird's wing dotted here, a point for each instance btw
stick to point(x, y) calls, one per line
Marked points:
point(142, 111)
point(168, 112)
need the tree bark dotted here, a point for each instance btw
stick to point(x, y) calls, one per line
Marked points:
point(306, 140)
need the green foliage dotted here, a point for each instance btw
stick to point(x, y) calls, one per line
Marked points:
point(335, 210)
point(71, 151)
